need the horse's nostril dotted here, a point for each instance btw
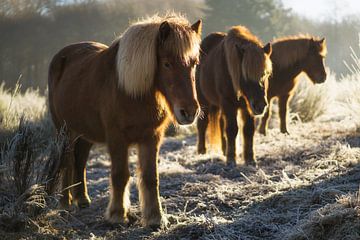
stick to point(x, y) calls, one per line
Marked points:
point(184, 113)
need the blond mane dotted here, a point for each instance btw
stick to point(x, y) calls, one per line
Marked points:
point(253, 61)
point(289, 50)
point(137, 53)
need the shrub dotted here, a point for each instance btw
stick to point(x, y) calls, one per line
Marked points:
point(311, 101)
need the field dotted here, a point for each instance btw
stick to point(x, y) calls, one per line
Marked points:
point(305, 187)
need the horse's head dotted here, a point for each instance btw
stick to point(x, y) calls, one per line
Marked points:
point(177, 55)
point(255, 68)
point(314, 64)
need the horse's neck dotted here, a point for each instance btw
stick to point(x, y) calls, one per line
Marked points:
point(291, 70)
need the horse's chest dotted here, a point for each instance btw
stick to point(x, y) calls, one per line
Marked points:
point(144, 125)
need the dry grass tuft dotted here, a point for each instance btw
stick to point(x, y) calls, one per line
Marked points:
point(29, 160)
point(340, 220)
point(311, 101)
point(29, 105)
point(31, 177)
point(348, 97)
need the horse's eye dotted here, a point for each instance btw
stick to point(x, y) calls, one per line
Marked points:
point(167, 64)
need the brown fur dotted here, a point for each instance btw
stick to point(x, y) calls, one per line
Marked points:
point(290, 57)
point(84, 94)
point(233, 73)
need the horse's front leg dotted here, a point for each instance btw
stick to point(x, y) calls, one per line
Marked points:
point(283, 112)
point(202, 124)
point(222, 133)
point(231, 129)
point(248, 131)
point(119, 193)
point(148, 182)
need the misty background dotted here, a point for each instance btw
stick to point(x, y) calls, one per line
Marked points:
point(32, 31)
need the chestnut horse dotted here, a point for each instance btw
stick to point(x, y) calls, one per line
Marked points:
point(233, 73)
point(124, 95)
point(290, 57)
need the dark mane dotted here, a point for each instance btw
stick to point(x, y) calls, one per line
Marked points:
point(251, 63)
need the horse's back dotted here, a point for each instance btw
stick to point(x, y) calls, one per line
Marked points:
point(212, 66)
point(73, 54)
point(211, 41)
point(76, 74)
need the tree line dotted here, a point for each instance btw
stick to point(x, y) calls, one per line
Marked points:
point(32, 31)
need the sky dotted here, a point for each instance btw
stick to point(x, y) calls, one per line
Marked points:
point(324, 9)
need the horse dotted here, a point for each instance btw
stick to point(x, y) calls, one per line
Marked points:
point(125, 95)
point(292, 56)
point(233, 72)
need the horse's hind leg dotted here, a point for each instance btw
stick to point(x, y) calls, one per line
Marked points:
point(222, 133)
point(66, 198)
point(80, 195)
point(248, 130)
point(202, 123)
point(283, 106)
point(67, 179)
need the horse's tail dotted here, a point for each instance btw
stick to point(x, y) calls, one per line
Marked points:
point(56, 70)
point(214, 133)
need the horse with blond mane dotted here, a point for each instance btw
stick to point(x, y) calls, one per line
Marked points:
point(292, 56)
point(232, 75)
point(124, 95)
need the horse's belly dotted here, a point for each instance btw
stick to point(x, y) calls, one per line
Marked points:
point(281, 85)
point(208, 90)
point(80, 118)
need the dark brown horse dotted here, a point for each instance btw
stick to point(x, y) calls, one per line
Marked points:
point(124, 95)
point(233, 73)
point(290, 57)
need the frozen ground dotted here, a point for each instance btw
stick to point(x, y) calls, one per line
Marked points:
point(300, 177)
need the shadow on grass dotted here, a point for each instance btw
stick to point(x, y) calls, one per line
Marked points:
point(274, 216)
point(266, 219)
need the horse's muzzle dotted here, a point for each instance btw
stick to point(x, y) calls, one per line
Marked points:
point(322, 79)
point(185, 115)
point(258, 109)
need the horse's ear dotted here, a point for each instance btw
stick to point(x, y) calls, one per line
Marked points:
point(321, 47)
point(197, 27)
point(268, 49)
point(240, 48)
point(322, 41)
point(164, 31)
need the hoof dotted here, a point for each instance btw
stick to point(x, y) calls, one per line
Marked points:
point(201, 150)
point(66, 203)
point(262, 132)
point(230, 161)
point(251, 163)
point(116, 217)
point(82, 202)
point(285, 132)
point(156, 224)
